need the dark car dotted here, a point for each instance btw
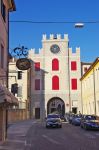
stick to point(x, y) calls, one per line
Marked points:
point(90, 122)
point(76, 120)
point(71, 116)
point(53, 120)
point(63, 119)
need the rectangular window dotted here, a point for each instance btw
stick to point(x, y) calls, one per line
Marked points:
point(73, 65)
point(19, 91)
point(74, 84)
point(19, 74)
point(3, 10)
point(37, 66)
point(2, 57)
point(37, 84)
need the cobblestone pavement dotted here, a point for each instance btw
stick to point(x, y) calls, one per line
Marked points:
point(32, 135)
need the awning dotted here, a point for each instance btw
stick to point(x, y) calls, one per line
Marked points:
point(7, 96)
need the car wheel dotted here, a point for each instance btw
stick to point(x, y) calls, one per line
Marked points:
point(46, 126)
point(81, 125)
point(85, 127)
point(60, 126)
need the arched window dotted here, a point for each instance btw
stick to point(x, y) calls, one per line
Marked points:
point(55, 64)
point(55, 83)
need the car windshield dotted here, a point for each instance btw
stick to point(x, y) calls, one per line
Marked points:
point(91, 117)
point(53, 116)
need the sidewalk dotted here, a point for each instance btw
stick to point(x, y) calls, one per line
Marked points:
point(17, 135)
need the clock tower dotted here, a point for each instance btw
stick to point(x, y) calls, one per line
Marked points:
point(58, 77)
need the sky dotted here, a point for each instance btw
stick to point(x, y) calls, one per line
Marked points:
point(30, 34)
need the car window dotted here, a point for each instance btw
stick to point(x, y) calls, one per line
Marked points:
point(91, 117)
point(53, 116)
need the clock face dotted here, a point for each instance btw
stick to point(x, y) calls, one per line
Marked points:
point(55, 48)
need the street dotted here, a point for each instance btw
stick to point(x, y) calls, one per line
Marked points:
point(69, 137)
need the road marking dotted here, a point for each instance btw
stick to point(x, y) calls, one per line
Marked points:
point(5, 148)
point(89, 136)
point(50, 139)
point(27, 144)
point(17, 141)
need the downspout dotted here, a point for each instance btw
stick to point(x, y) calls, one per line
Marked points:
point(94, 91)
point(69, 81)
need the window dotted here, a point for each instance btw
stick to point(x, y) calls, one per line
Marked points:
point(85, 69)
point(55, 83)
point(37, 66)
point(14, 88)
point(73, 65)
point(55, 64)
point(3, 10)
point(19, 74)
point(19, 94)
point(74, 84)
point(37, 84)
point(2, 57)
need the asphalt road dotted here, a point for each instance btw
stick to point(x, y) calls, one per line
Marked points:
point(69, 137)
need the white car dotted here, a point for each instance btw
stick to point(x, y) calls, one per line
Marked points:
point(53, 120)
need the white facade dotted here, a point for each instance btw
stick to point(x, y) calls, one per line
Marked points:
point(65, 95)
point(22, 94)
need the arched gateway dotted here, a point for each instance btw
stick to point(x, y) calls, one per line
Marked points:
point(56, 104)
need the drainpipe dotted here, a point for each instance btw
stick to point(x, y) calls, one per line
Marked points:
point(94, 91)
point(69, 81)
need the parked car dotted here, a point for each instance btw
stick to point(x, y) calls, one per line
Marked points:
point(76, 120)
point(70, 117)
point(90, 122)
point(63, 119)
point(53, 120)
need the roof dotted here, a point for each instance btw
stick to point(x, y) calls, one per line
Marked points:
point(90, 68)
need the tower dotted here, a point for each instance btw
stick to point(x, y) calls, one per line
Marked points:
point(55, 85)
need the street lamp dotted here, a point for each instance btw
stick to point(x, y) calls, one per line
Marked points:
point(79, 25)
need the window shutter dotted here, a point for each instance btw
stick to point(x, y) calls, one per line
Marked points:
point(37, 66)
point(19, 91)
point(73, 65)
point(55, 83)
point(55, 64)
point(74, 84)
point(37, 84)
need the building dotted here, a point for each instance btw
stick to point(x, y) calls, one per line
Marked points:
point(90, 89)
point(18, 83)
point(6, 98)
point(84, 67)
point(55, 75)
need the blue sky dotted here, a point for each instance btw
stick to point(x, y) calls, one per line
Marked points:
point(30, 35)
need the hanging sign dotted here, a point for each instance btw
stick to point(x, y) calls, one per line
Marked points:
point(23, 64)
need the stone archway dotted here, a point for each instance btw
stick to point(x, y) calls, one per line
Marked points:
point(57, 105)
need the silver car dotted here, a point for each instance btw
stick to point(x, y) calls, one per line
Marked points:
point(53, 120)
